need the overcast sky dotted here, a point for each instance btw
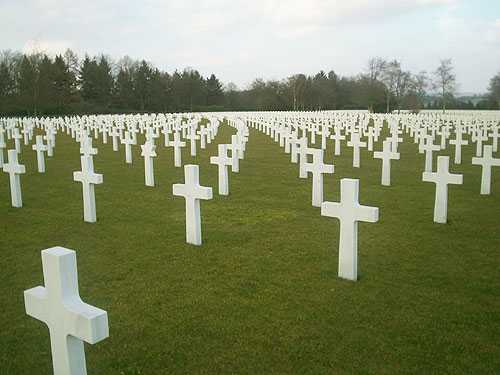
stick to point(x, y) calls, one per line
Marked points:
point(242, 40)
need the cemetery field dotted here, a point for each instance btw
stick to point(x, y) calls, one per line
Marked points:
point(261, 295)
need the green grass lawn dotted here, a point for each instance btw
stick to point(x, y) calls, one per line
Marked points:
point(261, 295)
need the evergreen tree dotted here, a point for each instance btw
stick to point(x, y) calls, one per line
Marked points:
point(215, 95)
point(27, 86)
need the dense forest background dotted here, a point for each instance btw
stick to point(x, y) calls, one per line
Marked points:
point(39, 84)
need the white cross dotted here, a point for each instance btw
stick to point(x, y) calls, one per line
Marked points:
point(239, 140)
point(203, 137)
point(422, 136)
point(192, 192)
point(166, 135)
point(40, 148)
point(313, 134)
point(236, 149)
point(26, 133)
point(371, 133)
point(133, 130)
point(210, 131)
point(88, 179)
point(444, 136)
point(487, 161)
point(222, 161)
point(294, 143)
point(104, 134)
point(148, 152)
point(115, 134)
point(349, 212)
point(356, 144)
point(128, 141)
point(303, 151)
point(337, 137)
point(17, 139)
point(458, 142)
point(442, 177)
point(86, 148)
point(386, 155)
point(69, 319)
point(177, 145)
point(325, 132)
point(14, 169)
point(317, 169)
point(395, 139)
point(192, 140)
point(49, 137)
point(479, 138)
point(429, 147)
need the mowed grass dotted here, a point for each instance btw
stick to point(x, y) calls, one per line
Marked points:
point(261, 295)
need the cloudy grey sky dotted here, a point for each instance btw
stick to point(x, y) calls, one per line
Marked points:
point(242, 40)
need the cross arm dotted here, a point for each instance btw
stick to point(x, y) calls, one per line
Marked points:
point(429, 177)
point(78, 176)
point(205, 192)
point(331, 209)
point(35, 300)
point(367, 213)
point(96, 179)
point(328, 168)
point(478, 161)
point(456, 179)
point(179, 190)
point(86, 322)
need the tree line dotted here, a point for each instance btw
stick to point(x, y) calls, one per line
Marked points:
point(38, 84)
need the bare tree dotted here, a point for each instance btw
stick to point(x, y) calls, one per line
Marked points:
point(403, 84)
point(421, 83)
point(376, 66)
point(390, 75)
point(297, 83)
point(417, 90)
point(445, 80)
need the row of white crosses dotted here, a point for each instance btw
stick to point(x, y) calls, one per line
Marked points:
point(421, 136)
point(193, 192)
point(348, 210)
point(372, 132)
point(290, 141)
point(442, 178)
point(88, 178)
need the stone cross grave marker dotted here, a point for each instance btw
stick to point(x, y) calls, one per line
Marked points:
point(14, 169)
point(70, 320)
point(487, 162)
point(222, 161)
point(442, 178)
point(356, 144)
point(148, 152)
point(349, 212)
point(429, 148)
point(88, 179)
point(317, 168)
point(192, 191)
point(40, 148)
point(177, 144)
point(386, 155)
